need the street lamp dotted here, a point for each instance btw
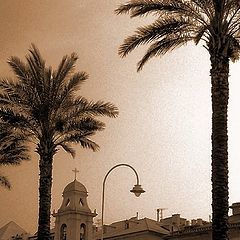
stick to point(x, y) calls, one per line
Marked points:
point(137, 189)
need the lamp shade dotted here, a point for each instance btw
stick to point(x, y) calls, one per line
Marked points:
point(137, 190)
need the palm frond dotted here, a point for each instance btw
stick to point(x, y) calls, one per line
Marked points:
point(64, 69)
point(83, 140)
point(14, 150)
point(65, 95)
point(160, 28)
point(19, 68)
point(17, 105)
point(68, 149)
point(199, 35)
point(81, 107)
point(88, 143)
point(13, 92)
point(82, 127)
point(36, 71)
point(142, 7)
point(78, 137)
point(5, 182)
point(161, 47)
point(16, 119)
point(100, 108)
point(12, 145)
point(9, 87)
point(14, 157)
point(234, 49)
point(233, 20)
point(66, 66)
point(78, 104)
point(12, 117)
point(36, 56)
point(76, 80)
point(161, 8)
point(205, 6)
point(47, 78)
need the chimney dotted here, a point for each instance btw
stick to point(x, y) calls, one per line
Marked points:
point(160, 213)
point(176, 219)
point(199, 222)
point(193, 222)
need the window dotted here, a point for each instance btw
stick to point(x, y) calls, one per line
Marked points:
point(83, 232)
point(63, 232)
point(81, 202)
point(67, 203)
point(126, 224)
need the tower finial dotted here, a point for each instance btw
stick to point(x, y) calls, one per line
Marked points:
point(75, 172)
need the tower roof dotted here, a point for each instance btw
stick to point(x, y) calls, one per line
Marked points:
point(75, 186)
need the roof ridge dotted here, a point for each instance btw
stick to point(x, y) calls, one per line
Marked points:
point(146, 221)
point(7, 227)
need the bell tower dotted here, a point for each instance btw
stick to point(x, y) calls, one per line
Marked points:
point(74, 219)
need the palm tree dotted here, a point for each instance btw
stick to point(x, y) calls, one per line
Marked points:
point(12, 150)
point(43, 105)
point(216, 23)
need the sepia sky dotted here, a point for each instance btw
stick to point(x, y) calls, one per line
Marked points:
point(164, 126)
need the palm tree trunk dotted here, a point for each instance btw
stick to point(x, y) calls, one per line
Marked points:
point(220, 95)
point(45, 186)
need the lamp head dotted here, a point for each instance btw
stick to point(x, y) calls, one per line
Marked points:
point(137, 190)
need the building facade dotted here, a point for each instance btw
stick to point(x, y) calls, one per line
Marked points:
point(202, 230)
point(133, 229)
point(74, 221)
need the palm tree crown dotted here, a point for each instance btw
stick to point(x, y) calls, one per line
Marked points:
point(42, 105)
point(181, 21)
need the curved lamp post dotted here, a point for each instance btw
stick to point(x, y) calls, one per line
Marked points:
point(137, 189)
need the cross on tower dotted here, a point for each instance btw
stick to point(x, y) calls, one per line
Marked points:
point(75, 172)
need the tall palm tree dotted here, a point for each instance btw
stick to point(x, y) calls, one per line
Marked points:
point(43, 105)
point(12, 150)
point(217, 23)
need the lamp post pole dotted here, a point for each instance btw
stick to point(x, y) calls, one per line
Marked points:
point(137, 189)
